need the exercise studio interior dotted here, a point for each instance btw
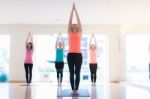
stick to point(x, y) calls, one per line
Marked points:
point(74, 49)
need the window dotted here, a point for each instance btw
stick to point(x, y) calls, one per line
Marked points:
point(4, 57)
point(44, 57)
point(137, 57)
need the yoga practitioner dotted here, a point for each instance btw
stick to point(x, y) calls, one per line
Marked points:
point(93, 59)
point(59, 62)
point(74, 56)
point(28, 63)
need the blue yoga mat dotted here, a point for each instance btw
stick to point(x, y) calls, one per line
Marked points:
point(51, 61)
point(68, 93)
point(54, 61)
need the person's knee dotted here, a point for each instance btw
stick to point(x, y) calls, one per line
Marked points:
point(71, 75)
point(77, 74)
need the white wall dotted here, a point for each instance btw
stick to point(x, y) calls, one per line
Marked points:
point(18, 35)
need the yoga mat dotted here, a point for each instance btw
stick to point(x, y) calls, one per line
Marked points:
point(29, 85)
point(51, 61)
point(68, 93)
point(55, 61)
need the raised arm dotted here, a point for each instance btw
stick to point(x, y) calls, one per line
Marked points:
point(27, 38)
point(90, 41)
point(57, 40)
point(70, 20)
point(61, 37)
point(31, 40)
point(95, 40)
point(93, 37)
point(62, 41)
point(78, 19)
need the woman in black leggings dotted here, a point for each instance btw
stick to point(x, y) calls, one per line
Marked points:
point(93, 59)
point(74, 56)
point(59, 62)
point(28, 64)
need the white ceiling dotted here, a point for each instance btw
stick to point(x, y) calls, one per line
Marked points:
point(90, 11)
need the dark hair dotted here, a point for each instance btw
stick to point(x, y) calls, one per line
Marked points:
point(30, 44)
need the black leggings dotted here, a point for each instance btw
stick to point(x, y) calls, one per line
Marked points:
point(59, 68)
point(93, 70)
point(74, 63)
point(28, 71)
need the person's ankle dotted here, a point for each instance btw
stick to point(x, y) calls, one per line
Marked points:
point(73, 91)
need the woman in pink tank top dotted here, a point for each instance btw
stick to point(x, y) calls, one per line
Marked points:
point(28, 64)
point(74, 56)
point(93, 59)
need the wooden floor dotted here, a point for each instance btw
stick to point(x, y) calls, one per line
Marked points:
point(50, 91)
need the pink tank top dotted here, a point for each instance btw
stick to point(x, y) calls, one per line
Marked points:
point(28, 57)
point(93, 56)
point(75, 42)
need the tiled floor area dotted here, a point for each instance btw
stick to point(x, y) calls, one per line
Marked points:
point(50, 91)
